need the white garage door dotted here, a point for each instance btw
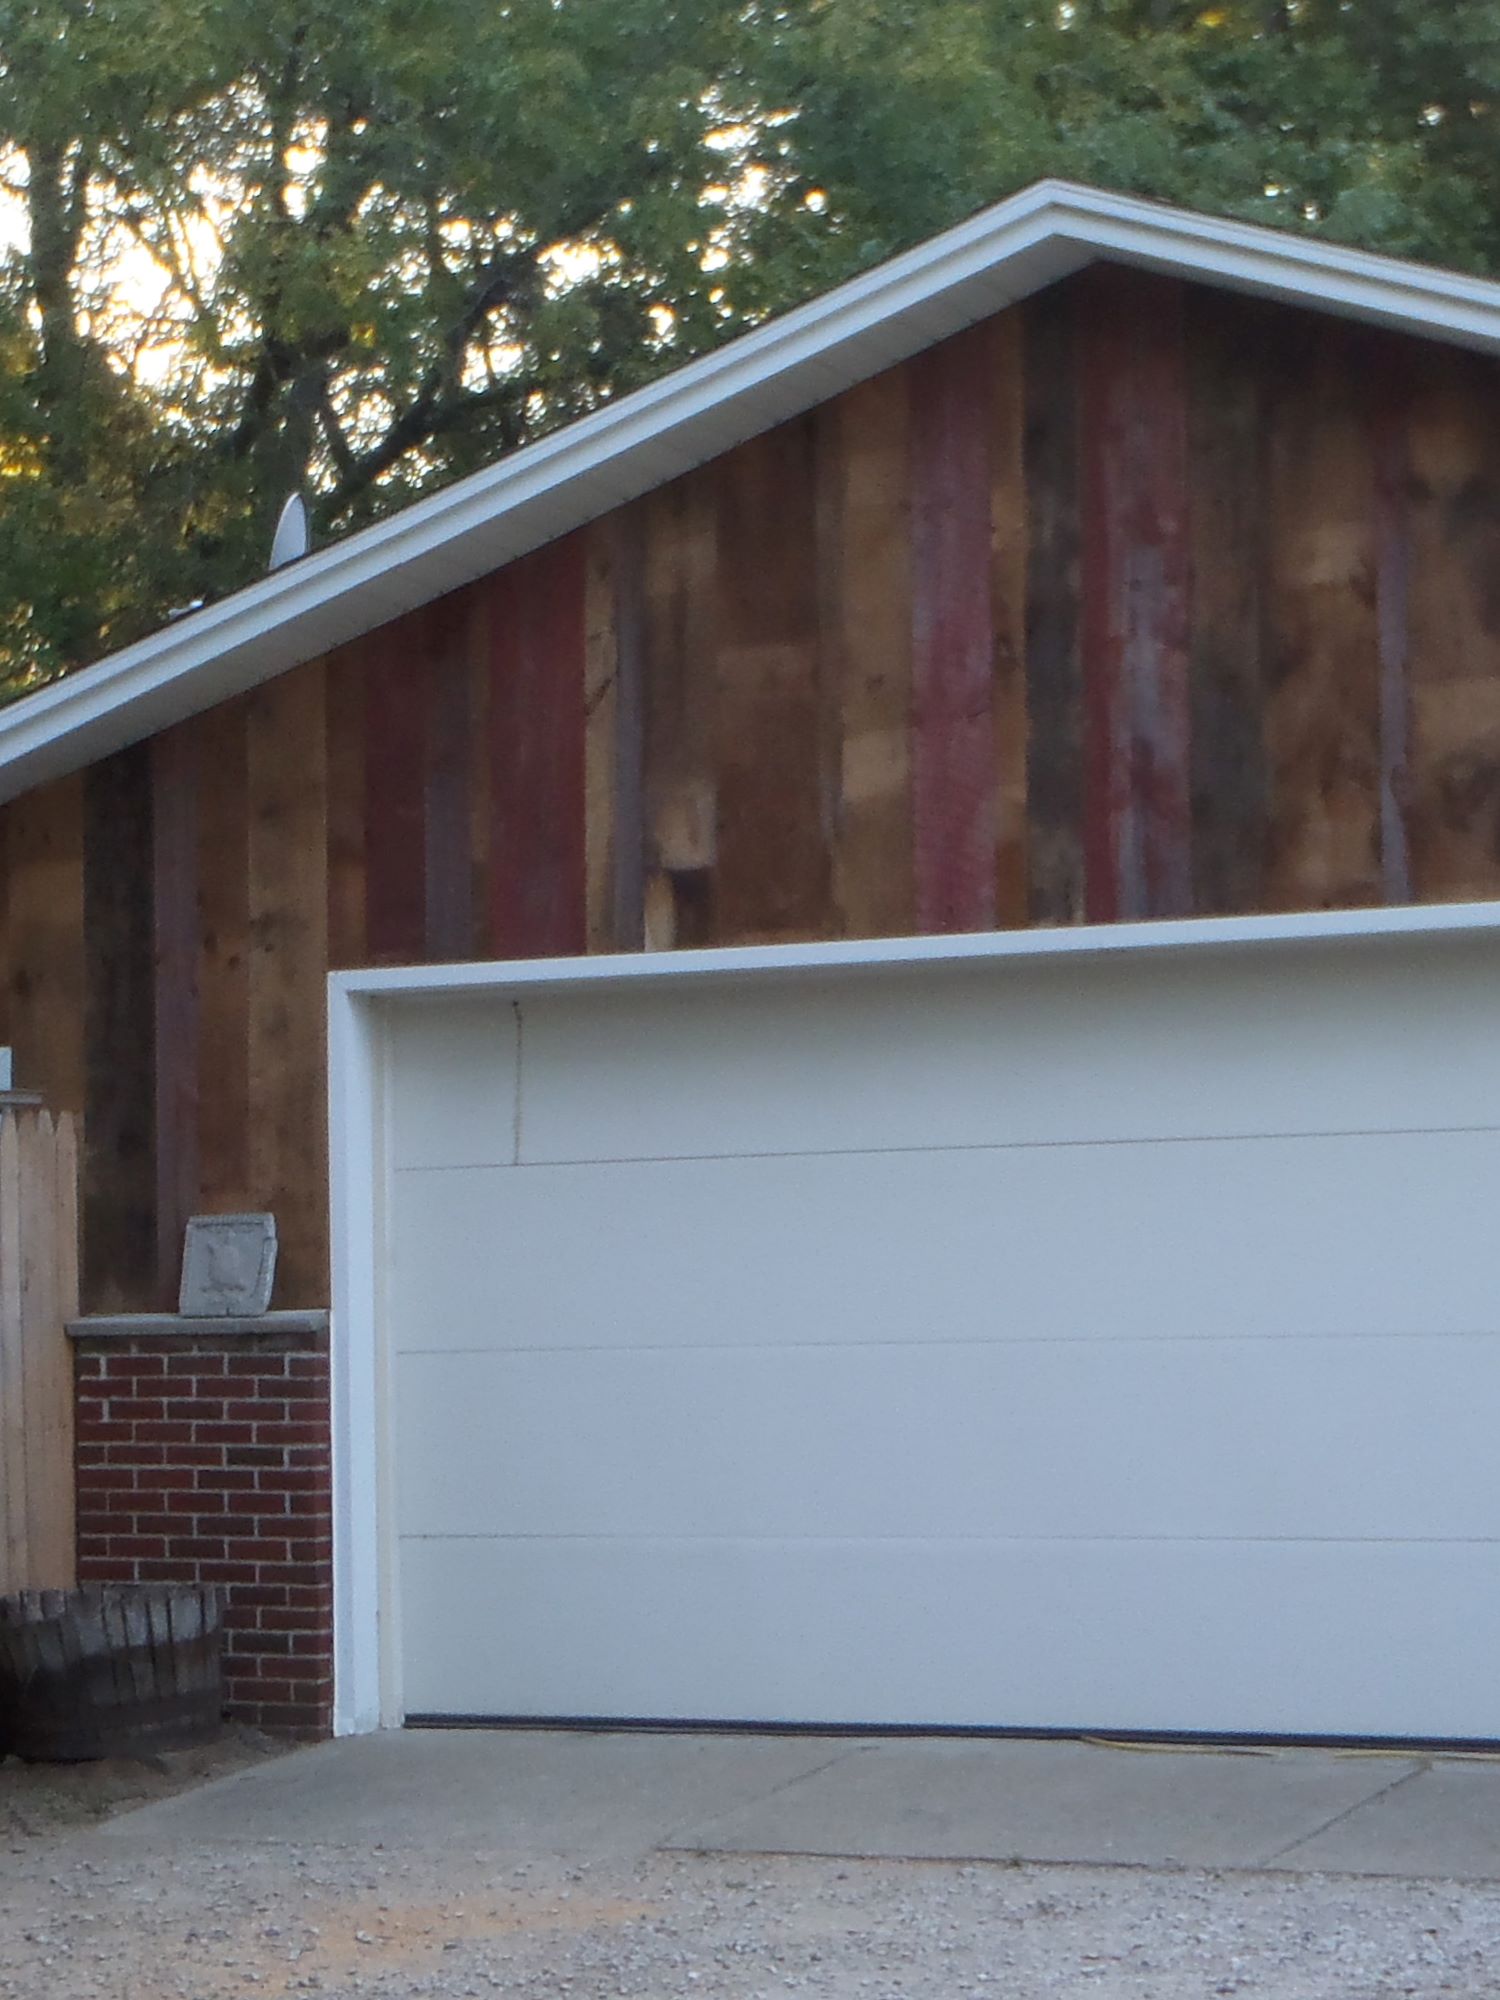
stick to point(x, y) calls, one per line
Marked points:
point(1103, 1343)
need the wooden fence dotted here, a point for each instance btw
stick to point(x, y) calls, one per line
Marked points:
point(38, 1294)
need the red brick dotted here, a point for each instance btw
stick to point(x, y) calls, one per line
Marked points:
point(258, 1549)
point(220, 1433)
point(296, 1433)
point(241, 1455)
point(270, 1600)
point(126, 1409)
point(163, 1433)
point(194, 1362)
point(255, 1410)
point(137, 1545)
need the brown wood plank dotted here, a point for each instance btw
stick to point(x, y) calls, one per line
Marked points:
point(448, 896)
point(1135, 581)
point(175, 781)
point(119, 1200)
point(1009, 551)
point(1227, 338)
point(224, 1111)
point(45, 972)
point(346, 806)
point(1323, 696)
point(1054, 675)
point(6, 1037)
point(15, 1511)
point(536, 733)
point(288, 959)
point(865, 568)
point(953, 636)
point(1453, 521)
point(1389, 415)
point(681, 805)
point(395, 794)
point(614, 749)
point(603, 721)
point(773, 878)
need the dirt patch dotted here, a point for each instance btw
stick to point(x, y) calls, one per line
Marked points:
point(41, 1801)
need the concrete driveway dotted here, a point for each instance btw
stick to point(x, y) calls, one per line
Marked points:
point(589, 1794)
point(579, 1866)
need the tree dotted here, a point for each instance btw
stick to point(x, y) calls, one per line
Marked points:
point(252, 245)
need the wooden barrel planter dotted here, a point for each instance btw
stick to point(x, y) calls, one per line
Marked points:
point(108, 1671)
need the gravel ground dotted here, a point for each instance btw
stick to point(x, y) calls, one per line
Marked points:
point(88, 1918)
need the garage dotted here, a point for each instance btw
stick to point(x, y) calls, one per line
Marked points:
point(1088, 1332)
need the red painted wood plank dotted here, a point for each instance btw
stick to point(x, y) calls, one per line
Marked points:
point(1136, 583)
point(538, 631)
point(174, 825)
point(953, 768)
point(395, 796)
point(448, 842)
point(1054, 672)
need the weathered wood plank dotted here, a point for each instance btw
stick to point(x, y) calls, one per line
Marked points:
point(1009, 551)
point(38, 1292)
point(49, 1296)
point(120, 1185)
point(15, 1510)
point(175, 781)
point(536, 731)
point(1453, 525)
point(395, 794)
point(953, 636)
point(448, 895)
point(865, 569)
point(772, 878)
point(224, 1107)
point(1227, 338)
point(1390, 417)
point(1054, 675)
point(1135, 581)
point(1323, 695)
point(681, 803)
point(287, 870)
point(45, 972)
point(347, 804)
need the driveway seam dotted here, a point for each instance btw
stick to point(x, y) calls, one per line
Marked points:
point(668, 1842)
point(1280, 1853)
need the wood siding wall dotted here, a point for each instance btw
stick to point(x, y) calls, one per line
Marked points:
point(1137, 600)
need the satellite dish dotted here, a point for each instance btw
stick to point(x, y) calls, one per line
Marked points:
point(293, 533)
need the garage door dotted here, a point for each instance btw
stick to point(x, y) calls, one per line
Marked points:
point(1103, 1343)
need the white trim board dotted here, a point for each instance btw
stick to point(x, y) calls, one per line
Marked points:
point(628, 447)
point(367, 1691)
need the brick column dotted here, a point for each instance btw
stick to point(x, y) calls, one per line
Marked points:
point(205, 1458)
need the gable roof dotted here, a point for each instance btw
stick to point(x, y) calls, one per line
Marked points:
point(627, 447)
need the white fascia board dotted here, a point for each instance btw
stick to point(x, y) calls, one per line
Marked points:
point(735, 963)
point(653, 435)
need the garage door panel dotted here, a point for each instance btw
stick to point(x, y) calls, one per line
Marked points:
point(1266, 1043)
point(453, 1085)
point(1236, 1439)
point(1256, 1239)
point(1155, 1636)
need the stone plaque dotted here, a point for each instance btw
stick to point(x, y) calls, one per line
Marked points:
point(228, 1266)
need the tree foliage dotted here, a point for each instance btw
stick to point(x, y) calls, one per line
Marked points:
point(253, 245)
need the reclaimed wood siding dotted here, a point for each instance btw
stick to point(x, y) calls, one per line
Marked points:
point(1137, 600)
